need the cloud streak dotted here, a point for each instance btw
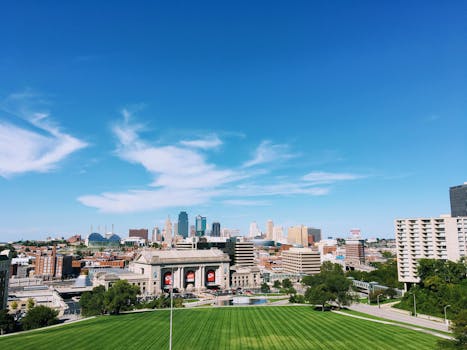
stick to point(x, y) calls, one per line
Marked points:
point(321, 177)
point(183, 176)
point(38, 146)
point(209, 142)
point(268, 152)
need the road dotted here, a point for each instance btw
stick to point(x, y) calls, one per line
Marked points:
point(387, 313)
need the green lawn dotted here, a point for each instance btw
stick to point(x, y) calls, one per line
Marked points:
point(261, 327)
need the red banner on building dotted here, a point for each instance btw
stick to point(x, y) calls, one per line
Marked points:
point(211, 277)
point(167, 279)
point(190, 277)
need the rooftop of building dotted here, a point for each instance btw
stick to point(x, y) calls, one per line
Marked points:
point(149, 256)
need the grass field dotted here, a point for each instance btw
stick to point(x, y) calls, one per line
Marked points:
point(261, 327)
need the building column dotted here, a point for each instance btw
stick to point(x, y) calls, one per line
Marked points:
point(182, 278)
point(198, 279)
point(203, 276)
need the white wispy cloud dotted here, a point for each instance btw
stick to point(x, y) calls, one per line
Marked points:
point(36, 146)
point(183, 176)
point(321, 177)
point(134, 201)
point(268, 152)
point(279, 189)
point(209, 142)
point(246, 202)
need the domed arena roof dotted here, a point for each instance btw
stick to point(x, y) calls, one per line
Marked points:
point(96, 237)
point(114, 237)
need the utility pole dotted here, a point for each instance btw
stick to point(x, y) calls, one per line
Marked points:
point(171, 306)
point(414, 305)
point(445, 315)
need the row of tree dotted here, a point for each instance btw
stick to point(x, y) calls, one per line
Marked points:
point(36, 317)
point(442, 283)
point(121, 296)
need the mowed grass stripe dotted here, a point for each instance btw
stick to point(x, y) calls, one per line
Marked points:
point(264, 326)
point(261, 327)
point(295, 326)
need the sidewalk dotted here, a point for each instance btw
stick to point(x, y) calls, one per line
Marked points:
point(439, 335)
point(388, 313)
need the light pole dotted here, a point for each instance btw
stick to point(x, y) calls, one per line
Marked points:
point(414, 305)
point(445, 316)
point(377, 299)
point(171, 306)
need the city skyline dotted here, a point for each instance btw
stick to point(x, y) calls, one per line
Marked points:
point(327, 115)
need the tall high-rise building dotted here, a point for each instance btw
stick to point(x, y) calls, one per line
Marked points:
point(241, 252)
point(278, 233)
point(216, 229)
point(354, 252)
point(156, 234)
point(444, 237)
point(298, 235)
point(227, 232)
point(168, 231)
point(5, 260)
point(200, 225)
point(269, 229)
point(458, 197)
point(254, 230)
point(314, 235)
point(183, 224)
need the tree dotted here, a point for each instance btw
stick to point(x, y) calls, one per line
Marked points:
point(121, 296)
point(459, 330)
point(387, 254)
point(277, 284)
point(442, 283)
point(7, 322)
point(318, 295)
point(265, 288)
point(286, 284)
point(297, 299)
point(30, 303)
point(39, 316)
point(330, 282)
point(14, 305)
point(391, 293)
point(374, 295)
point(92, 303)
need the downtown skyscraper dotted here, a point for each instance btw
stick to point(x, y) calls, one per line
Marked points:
point(200, 225)
point(183, 224)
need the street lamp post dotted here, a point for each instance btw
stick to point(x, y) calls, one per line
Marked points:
point(414, 306)
point(377, 299)
point(445, 316)
point(171, 306)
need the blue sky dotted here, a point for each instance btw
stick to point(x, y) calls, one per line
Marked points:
point(333, 114)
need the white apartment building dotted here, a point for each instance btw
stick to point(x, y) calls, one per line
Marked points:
point(305, 261)
point(431, 238)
